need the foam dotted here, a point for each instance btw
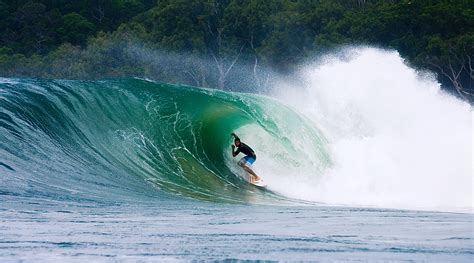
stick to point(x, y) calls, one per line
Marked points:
point(396, 140)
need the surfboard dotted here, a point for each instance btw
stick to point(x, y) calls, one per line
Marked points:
point(259, 183)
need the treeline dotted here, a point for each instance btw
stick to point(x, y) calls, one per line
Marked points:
point(36, 27)
point(213, 43)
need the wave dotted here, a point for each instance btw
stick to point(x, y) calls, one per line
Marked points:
point(116, 138)
point(362, 129)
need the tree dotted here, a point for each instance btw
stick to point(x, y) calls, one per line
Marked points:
point(453, 59)
point(32, 23)
point(75, 29)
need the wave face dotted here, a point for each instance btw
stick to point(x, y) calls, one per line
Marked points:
point(134, 138)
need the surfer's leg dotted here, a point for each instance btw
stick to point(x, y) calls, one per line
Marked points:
point(243, 164)
point(254, 176)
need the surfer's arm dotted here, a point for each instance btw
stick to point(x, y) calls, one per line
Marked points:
point(235, 153)
point(235, 136)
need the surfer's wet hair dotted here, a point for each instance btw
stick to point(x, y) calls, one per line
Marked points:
point(236, 140)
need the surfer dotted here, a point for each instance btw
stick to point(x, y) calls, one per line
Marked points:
point(248, 159)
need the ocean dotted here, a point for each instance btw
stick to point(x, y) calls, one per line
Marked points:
point(369, 167)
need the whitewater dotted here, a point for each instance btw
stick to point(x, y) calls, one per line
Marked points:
point(132, 169)
point(396, 139)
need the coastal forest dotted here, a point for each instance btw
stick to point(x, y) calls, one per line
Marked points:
point(213, 43)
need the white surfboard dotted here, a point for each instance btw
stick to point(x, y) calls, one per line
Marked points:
point(259, 183)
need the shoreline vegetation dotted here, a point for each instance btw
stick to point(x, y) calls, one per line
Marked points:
point(227, 43)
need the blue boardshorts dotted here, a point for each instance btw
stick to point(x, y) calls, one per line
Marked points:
point(247, 160)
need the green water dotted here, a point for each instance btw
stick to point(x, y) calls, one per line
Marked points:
point(142, 136)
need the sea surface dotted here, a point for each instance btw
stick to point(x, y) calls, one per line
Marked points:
point(45, 231)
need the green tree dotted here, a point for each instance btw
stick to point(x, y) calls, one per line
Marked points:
point(75, 29)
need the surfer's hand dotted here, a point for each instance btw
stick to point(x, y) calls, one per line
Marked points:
point(233, 146)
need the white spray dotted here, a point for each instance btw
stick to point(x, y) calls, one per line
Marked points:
point(395, 139)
